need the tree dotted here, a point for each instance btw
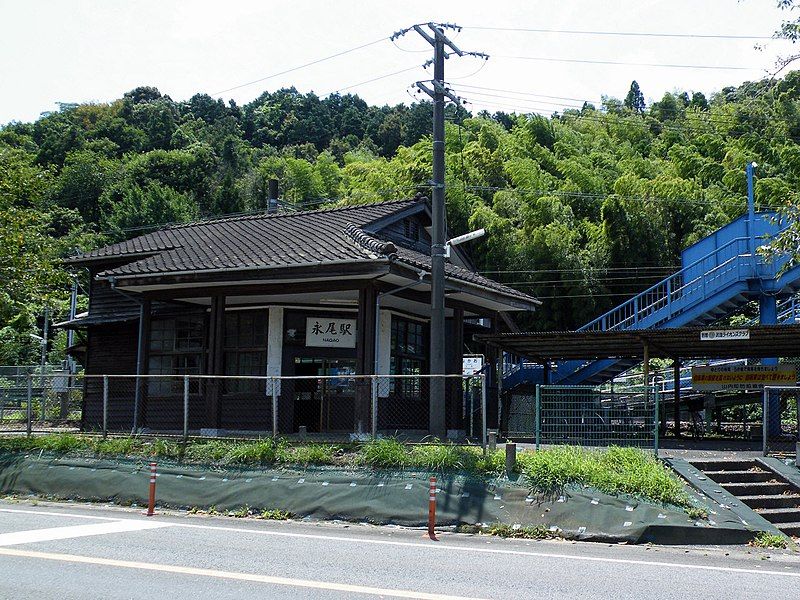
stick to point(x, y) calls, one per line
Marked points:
point(634, 101)
point(143, 208)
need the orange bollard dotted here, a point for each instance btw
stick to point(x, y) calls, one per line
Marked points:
point(151, 505)
point(432, 510)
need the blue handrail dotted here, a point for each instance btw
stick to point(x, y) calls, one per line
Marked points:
point(714, 270)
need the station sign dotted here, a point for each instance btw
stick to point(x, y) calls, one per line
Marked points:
point(722, 335)
point(324, 332)
point(738, 377)
point(471, 364)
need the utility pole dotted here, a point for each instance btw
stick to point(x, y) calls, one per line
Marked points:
point(434, 34)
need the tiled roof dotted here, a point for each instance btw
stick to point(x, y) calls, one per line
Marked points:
point(274, 241)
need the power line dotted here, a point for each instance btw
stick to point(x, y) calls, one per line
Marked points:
point(625, 33)
point(625, 64)
point(303, 66)
point(347, 87)
point(478, 87)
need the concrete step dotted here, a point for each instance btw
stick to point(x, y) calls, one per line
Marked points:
point(724, 465)
point(757, 489)
point(772, 501)
point(792, 529)
point(780, 515)
point(749, 476)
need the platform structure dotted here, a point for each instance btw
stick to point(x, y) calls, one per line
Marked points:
point(640, 346)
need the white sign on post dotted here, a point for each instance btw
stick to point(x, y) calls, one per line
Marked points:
point(471, 364)
point(323, 332)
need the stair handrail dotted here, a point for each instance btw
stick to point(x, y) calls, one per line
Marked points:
point(634, 302)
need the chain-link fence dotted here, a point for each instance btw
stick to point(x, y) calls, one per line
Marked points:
point(325, 407)
point(586, 416)
point(35, 402)
point(780, 423)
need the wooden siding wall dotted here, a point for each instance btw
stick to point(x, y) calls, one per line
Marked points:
point(111, 350)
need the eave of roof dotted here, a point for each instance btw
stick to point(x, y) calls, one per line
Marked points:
point(765, 341)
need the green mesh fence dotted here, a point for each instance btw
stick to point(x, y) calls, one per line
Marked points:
point(586, 416)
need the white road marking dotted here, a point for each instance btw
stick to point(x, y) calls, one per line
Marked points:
point(62, 533)
point(55, 514)
point(480, 550)
point(269, 579)
point(474, 549)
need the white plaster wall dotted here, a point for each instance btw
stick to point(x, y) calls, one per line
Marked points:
point(384, 348)
point(275, 344)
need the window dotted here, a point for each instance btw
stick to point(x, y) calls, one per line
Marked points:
point(245, 350)
point(176, 348)
point(409, 356)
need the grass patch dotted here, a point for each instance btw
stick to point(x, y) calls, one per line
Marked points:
point(535, 532)
point(383, 453)
point(274, 514)
point(770, 540)
point(311, 454)
point(388, 453)
point(613, 471)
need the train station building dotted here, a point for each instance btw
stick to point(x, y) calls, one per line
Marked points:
point(338, 291)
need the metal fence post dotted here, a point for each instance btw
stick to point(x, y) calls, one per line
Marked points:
point(471, 394)
point(538, 425)
point(43, 412)
point(185, 408)
point(374, 391)
point(483, 412)
point(765, 423)
point(105, 406)
point(28, 406)
point(656, 395)
point(274, 407)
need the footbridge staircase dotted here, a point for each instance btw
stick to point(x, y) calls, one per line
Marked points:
point(719, 275)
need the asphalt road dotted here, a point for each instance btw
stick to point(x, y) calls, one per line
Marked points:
point(68, 551)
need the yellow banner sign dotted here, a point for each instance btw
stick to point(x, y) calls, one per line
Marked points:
point(737, 377)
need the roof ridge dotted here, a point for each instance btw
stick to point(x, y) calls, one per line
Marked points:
point(368, 242)
point(268, 215)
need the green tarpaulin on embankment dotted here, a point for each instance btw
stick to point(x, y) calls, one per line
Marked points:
point(365, 495)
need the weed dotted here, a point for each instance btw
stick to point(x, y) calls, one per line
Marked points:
point(437, 457)
point(384, 453)
point(696, 512)
point(275, 514)
point(764, 539)
point(262, 452)
point(116, 446)
point(206, 452)
point(537, 532)
point(311, 454)
point(240, 513)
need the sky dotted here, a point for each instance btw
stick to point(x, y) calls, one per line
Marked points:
point(96, 50)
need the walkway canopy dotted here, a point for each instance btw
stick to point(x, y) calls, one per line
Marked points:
point(757, 341)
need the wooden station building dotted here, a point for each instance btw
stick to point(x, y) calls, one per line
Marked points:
point(284, 294)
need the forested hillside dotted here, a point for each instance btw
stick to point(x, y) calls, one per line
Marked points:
point(582, 208)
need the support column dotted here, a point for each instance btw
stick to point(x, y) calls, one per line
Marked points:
point(455, 352)
point(365, 358)
point(142, 347)
point(275, 363)
point(646, 371)
point(216, 329)
point(768, 315)
point(676, 385)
